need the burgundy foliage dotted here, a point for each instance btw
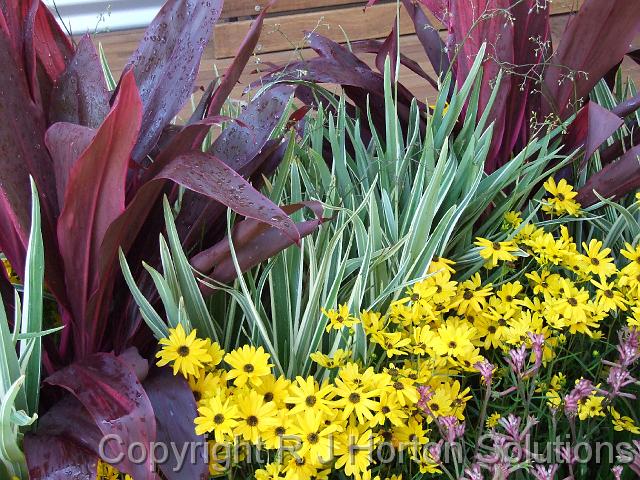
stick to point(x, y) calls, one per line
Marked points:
point(102, 162)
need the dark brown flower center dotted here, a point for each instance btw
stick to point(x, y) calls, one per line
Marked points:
point(218, 419)
point(354, 397)
point(310, 400)
point(248, 368)
point(183, 351)
point(268, 397)
point(252, 420)
point(572, 301)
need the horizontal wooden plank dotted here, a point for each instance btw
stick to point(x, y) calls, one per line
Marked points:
point(247, 8)
point(119, 46)
point(285, 32)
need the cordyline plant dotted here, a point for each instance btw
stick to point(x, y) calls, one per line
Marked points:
point(102, 161)
point(527, 81)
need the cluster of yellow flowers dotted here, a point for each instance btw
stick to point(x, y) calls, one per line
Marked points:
point(322, 425)
point(420, 352)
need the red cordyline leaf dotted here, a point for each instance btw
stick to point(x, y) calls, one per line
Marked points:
point(389, 48)
point(595, 39)
point(237, 146)
point(107, 401)
point(207, 175)
point(65, 143)
point(67, 425)
point(530, 34)
point(627, 107)
point(375, 46)
point(485, 22)
point(53, 48)
point(17, 22)
point(172, 398)
point(23, 154)
point(591, 128)
point(166, 64)
point(254, 242)
point(614, 180)
point(233, 72)
point(125, 229)
point(55, 457)
point(80, 93)
point(439, 8)
point(429, 37)
point(336, 64)
point(93, 199)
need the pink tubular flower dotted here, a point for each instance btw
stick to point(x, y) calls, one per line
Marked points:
point(452, 428)
point(617, 472)
point(486, 371)
point(619, 374)
point(567, 455)
point(511, 425)
point(516, 359)
point(537, 345)
point(581, 391)
point(472, 473)
point(435, 451)
point(426, 393)
point(541, 472)
point(501, 470)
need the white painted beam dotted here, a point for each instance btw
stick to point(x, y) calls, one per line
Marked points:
point(82, 16)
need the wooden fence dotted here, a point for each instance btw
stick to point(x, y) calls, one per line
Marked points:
point(340, 20)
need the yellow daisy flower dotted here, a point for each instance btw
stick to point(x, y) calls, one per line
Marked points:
point(219, 416)
point(496, 251)
point(338, 319)
point(187, 353)
point(248, 364)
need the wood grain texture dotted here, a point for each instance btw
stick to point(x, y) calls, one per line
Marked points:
point(247, 8)
point(286, 32)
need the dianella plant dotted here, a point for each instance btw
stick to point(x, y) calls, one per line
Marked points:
point(20, 354)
